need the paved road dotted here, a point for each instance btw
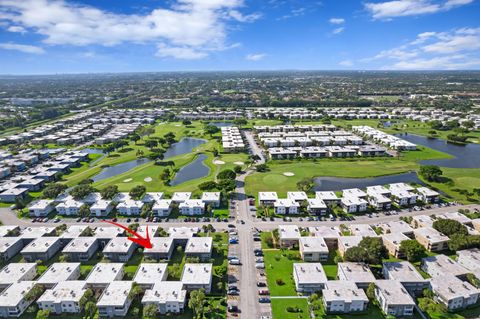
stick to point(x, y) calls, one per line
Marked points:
point(256, 150)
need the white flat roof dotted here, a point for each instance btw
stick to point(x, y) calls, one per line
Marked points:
point(150, 273)
point(12, 296)
point(268, 196)
point(199, 245)
point(450, 287)
point(403, 271)
point(327, 195)
point(394, 292)
point(73, 231)
point(340, 290)
point(211, 196)
point(7, 242)
point(313, 245)
point(118, 245)
point(35, 232)
point(289, 232)
point(160, 244)
point(41, 244)
point(79, 245)
point(396, 227)
point(115, 294)
point(356, 272)
point(309, 273)
point(431, 234)
point(182, 232)
point(105, 273)
point(181, 196)
point(325, 231)
point(297, 195)
point(197, 274)
point(59, 272)
point(108, 232)
point(165, 291)
point(15, 271)
point(64, 291)
point(362, 230)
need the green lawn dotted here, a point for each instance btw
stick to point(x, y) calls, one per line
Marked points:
point(279, 266)
point(279, 308)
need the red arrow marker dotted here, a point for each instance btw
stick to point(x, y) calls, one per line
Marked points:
point(144, 242)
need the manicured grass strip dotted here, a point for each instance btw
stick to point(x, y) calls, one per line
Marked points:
point(279, 308)
point(279, 269)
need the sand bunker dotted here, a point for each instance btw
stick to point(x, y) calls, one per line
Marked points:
point(218, 162)
point(239, 163)
point(289, 174)
point(147, 179)
point(127, 180)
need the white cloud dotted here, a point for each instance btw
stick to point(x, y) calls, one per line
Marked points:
point(346, 63)
point(255, 56)
point(402, 8)
point(338, 30)
point(454, 49)
point(337, 21)
point(22, 48)
point(190, 28)
point(181, 53)
point(16, 29)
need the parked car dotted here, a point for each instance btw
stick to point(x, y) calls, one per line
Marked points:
point(261, 284)
point(263, 292)
point(264, 300)
point(234, 262)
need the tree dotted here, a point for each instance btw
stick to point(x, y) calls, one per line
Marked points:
point(34, 293)
point(196, 302)
point(86, 181)
point(186, 122)
point(412, 250)
point(209, 185)
point(135, 137)
point(261, 168)
point(227, 174)
point(371, 291)
point(472, 279)
point(81, 191)
point(137, 192)
point(90, 310)
point(84, 211)
point(42, 314)
point(150, 311)
point(89, 295)
point(237, 169)
point(450, 227)
point(431, 173)
point(135, 292)
point(151, 143)
point(109, 192)
point(211, 129)
point(370, 250)
point(305, 184)
point(53, 190)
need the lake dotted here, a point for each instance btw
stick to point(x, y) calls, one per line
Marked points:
point(115, 170)
point(221, 124)
point(194, 170)
point(184, 146)
point(338, 183)
point(466, 156)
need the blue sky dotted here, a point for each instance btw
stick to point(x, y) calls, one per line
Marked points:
point(84, 36)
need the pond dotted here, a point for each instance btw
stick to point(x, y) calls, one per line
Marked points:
point(194, 170)
point(466, 156)
point(186, 145)
point(115, 170)
point(338, 183)
point(92, 151)
point(221, 124)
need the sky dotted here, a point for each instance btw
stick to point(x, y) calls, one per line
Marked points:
point(93, 36)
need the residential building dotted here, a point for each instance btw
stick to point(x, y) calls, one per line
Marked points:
point(441, 265)
point(70, 207)
point(428, 195)
point(16, 272)
point(10, 247)
point(343, 297)
point(393, 298)
point(286, 206)
point(115, 300)
point(101, 208)
point(431, 239)
point(328, 197)
point(407, 275)
point(363, 230)
point(289, 235)
point(197, 276)
point(64, 297)
point(41, 208)
point(42, 248)
point(317, 206)
point(313, 249)
point(267, 198)
point(162, 248)
point(199, 247)
point(329, 233)
point(353, 205)
point(392, 242)
point(359, 273)
point(211, 198)
point(346, 242)
point(454, 293)
point(119, 249)
point(162, 208)
point(419, 221)
point(130, 207)
point(395, 227)
point(81, 249)
point(180, 197)
point(59, 272)
point(168, 296)
point(470, 259)
point(192, 207)
point(103, 274)
point(309, 277)
point(12, 300)
point(150, 273)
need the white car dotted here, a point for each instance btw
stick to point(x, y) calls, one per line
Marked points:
point(260, 265)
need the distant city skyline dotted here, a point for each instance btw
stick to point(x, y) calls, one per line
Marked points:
point(86, 36)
